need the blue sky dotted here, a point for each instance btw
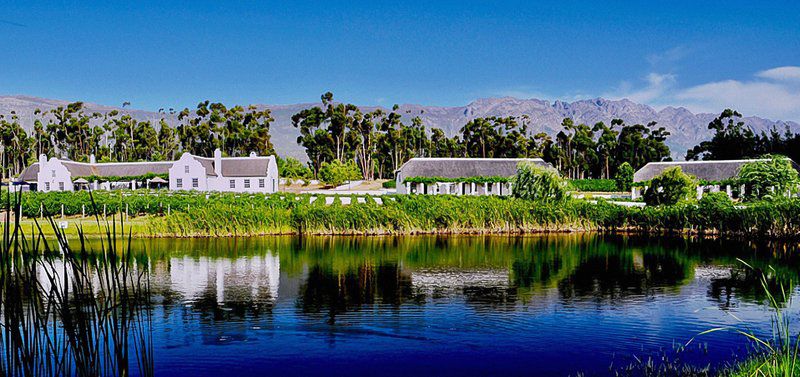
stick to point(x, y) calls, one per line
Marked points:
point(703, 55)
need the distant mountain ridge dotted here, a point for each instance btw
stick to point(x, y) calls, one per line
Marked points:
point(686, 128)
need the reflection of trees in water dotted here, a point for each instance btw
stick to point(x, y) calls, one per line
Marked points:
point(341, 274)
point(331, 293)
point(621, 275)
point(745, 284)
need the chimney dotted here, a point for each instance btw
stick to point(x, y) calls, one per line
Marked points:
point(218, 162)
point(92, 160)
point(253, 154)
point(42, 160)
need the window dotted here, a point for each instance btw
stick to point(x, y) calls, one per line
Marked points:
point(246, 183)
point(186, 169)
point(261, 183)
point(47, 186)
point(179, 183)
point(53, 173)
point(60, 186)
point(195, 182)
point(233, 183)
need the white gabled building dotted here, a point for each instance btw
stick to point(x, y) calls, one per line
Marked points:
point(257, 174)
point(224, 174)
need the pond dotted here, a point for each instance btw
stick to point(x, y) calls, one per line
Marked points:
point(450, 305)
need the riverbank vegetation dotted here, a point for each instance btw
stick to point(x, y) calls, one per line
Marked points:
point(193, 215)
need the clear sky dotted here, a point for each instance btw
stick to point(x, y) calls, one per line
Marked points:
point(704, 55)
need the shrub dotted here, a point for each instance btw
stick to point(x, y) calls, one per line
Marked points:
point(762, 177)
point(713, 210)
point(624, 177)
point(290, 167)
point(390, 184)
point(534, 182)
point(670, 187)
point(336, 172)
point(596, 185)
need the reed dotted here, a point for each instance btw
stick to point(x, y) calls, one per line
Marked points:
point(225, 214)
point(71, 311)
point(776, 356)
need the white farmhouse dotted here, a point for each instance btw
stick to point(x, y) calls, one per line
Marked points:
point(228, 174)
point(225, 174)
point(64, 175)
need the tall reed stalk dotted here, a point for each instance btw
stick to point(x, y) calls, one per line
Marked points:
point(71, 311)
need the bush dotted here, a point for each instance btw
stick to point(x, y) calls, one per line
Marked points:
point(390, 184)
point(762, 177)
point(670, 187)
point(594, 185)
point(624, 177)
point(336, 172)
point(534, 182)
point(292, 168)
point(713, 210)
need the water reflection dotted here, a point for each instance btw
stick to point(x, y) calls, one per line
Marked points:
point(362, 303)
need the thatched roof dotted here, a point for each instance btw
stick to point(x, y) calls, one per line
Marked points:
point(30, 174)
point(245, 166)
point(703, 170)
point(464, 167)
point(117, 169)
point(208, 164)
point(253, 166)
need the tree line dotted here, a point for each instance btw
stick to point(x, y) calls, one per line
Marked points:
point(380, 141)
point(733, 139)
point(341, 137)
point(71, 132)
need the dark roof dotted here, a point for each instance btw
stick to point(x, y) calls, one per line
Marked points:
point(703, 170)
point(30, 174)
point(208, 164)
point(118, 169)
point(237, 166)
point(245, 166)
point(464, 167)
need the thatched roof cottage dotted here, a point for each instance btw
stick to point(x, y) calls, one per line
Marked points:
point(460, 176)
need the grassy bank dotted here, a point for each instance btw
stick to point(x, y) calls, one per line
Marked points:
point(194, 215)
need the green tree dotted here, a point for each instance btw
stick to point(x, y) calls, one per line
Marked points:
point(624, 177)
point(768, 178)
point(534, 182)
point(670, 187)
point(290, 167)
point(732, 139)
point(336, 172)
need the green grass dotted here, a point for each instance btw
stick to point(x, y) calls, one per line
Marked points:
point(594, 185)
point(195, 215)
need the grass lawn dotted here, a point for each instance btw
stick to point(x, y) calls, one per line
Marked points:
point(137, 226)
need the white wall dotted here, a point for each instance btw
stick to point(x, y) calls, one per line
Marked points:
point(53, 175)
point(196, 171)
point(219, 183)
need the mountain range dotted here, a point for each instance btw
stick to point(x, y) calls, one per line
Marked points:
point(686, 128)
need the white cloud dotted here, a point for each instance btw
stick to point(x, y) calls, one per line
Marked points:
point(767, 99)
point(788, 73)
point(657, 85)
point(772, 93)
point(670, 56)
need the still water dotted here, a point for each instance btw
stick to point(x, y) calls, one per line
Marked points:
point(458, 305)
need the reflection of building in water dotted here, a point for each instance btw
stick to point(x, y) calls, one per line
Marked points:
point(447, 280)
point(708, 273)
point(233, 280)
